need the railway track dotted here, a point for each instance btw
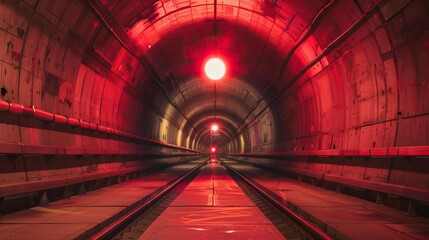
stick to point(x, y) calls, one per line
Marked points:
point(289, 223)
point(134, 223)
point(121, 226)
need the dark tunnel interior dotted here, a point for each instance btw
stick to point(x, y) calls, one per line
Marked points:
point(329, 91)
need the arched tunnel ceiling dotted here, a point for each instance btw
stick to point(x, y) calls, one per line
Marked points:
point(177, 37)
point(301, 75)
point(268, 47)
point(149, 21)
point(94, 91)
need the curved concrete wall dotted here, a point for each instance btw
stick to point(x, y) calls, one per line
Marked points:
point(303, 76)
point(56, 58)
point(369, 91)
point(365, 89)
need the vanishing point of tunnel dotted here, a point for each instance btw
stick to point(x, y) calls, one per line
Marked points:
point(324, 103)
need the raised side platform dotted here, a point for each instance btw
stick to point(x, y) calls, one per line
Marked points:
point(399, 171)
point(340, 215)
point(68, 218)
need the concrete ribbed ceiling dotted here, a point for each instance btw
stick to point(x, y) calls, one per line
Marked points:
point(177, 37)
point(268, 47)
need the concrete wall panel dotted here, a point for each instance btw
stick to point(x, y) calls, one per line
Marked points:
point(410, 172)
point(413, 131)
point(378, 170)
point(109, 105)
point(12, 169)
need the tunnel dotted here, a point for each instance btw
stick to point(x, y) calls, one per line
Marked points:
point(330, 93)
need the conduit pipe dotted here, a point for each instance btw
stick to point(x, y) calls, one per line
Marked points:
point(21, 110)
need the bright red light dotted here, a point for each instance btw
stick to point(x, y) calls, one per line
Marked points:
point(213, 149)
point(215, 69)
point(215, 127)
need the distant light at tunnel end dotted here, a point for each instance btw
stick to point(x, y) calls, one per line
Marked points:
point(215, 127)
point(215, 68)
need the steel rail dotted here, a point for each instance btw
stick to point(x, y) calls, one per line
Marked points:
point(309, 227)
point(109, 231)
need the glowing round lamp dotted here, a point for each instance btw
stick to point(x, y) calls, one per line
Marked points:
point(213, 149)
point(215, 69)
point(214, 127)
